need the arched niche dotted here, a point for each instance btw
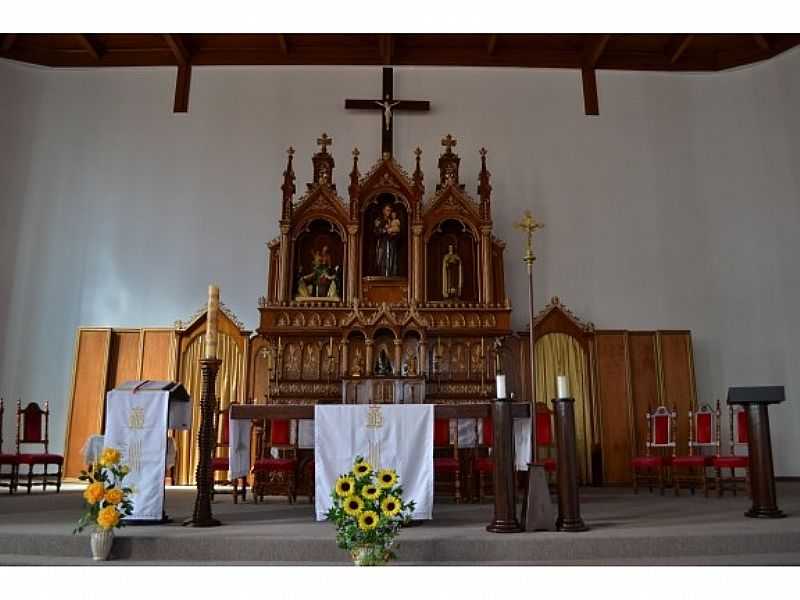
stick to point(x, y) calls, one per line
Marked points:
point(319, 262)
point(385, 243)
point(451, 255)
point(383, 340)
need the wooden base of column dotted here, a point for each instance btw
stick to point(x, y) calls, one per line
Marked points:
point(762, 478)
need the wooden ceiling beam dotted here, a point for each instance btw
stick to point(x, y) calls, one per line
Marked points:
point(178, 48)
point(591, 103)
point(594, 50)
point(92, 47)
point(8, 42)
point(762, 41)
point(678, 46)
point(491, 44)
point(385, 44)
point(284, 44)
point(182, 86)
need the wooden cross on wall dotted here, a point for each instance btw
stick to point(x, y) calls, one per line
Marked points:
point(387, 105)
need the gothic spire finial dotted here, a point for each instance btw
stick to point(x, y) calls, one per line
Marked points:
point(324, 142)
point(448, 142)
point(418, 176)
point(484, 188)
point(288, 187)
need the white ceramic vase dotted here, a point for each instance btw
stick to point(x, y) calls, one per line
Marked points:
point(102, 540)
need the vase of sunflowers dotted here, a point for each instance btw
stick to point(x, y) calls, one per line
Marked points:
point(368, 511)
point(106, 501)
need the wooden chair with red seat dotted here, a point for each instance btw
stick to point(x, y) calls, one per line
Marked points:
point(690, 470)
point(30, 431)
point(276, 474)
point(652, 468)
point(221, 464)
point(732, 461)
point(545, 440)
point(446, 461)
point(8, 478)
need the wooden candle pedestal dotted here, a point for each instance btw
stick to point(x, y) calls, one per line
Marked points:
point(569, 509)
point(202, 516)
point(505, 505)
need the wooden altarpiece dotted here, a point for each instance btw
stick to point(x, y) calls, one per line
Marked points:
point(391, 283)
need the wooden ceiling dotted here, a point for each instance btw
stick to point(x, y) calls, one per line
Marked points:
point(587, 52)
point(662, 52)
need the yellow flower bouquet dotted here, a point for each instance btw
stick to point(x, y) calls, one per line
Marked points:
point(368, 511)
point(106, 499)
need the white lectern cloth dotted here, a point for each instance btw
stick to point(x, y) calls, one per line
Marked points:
point(136, 424)
point(396, 436)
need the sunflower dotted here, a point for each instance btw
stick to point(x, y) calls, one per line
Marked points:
point(353, 505)
point(387, 478)
point(370, 491)
point(362, 468)
point(345, 486)
point(368, 520)
point(390, 506)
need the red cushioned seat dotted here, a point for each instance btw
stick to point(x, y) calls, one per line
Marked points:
point(220, 464)
point(689, 461)
point(40, 459)
point(550, 465)
point(9, 459)
point(648, 462)
point(275, 464)
point(446, 464)
point(731, 462)
point(484, 464)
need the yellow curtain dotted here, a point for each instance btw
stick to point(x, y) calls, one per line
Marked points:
point(227, 388)
point(561, 354)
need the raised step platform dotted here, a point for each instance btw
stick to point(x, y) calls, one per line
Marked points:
point(625, 529)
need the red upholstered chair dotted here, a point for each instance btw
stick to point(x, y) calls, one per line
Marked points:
point(221, 464)
point(276, 475)
point(545, 440)
point(651, 468)
point(9, 463)
point(690, 470)
point(732, 461)
point(445, 459)
point(33, 429)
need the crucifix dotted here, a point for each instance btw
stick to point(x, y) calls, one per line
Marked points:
point(387, 105)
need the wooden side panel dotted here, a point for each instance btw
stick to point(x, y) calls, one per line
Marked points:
point(613, 398)
point(156, 361)
point(88, 394)
point(677, 376)
point(257, 388)
point(123, 363)
point(644, 381)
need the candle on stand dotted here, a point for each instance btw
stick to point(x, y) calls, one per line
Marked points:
point(562, 383)
point(330, 347)
point(501, 386)
point(212, 333)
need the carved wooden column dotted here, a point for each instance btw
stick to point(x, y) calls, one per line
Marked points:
point(423, 357)
point(569, 507)
point(283, 272)
point(368, 356)
point(352, 274)
point(486, 265)
point(505, 505)
point(417, 259)
point(398, 357)
point(344, 358)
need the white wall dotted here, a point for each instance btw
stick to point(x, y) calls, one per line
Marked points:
point(677, 207)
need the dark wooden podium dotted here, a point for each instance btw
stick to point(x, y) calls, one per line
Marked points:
point(756, 401)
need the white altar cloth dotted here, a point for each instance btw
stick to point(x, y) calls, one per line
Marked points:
point(396, 436)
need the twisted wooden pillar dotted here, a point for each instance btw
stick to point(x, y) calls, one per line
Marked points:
point(201, 517)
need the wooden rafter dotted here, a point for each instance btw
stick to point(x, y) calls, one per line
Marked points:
point(594, 51)
point(175, 43)
point(762, 41)
point(182, 86)
point(590, 101)
point(90, 46)
point(8, 42)
point(386, 43)
point(676, 49)
point(284, 43)
point(491, 44)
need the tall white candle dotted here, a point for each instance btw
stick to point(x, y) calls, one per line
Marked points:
point(211, 321)
point(501, 387)
point(562, 383)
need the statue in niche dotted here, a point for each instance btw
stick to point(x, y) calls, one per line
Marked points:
point(358, 364)
point(324, 280)
point(387, 228)
point(452, 274)
point(382, 364)
point(411, 365)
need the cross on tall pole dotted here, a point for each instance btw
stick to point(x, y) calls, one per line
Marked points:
point(387, 105)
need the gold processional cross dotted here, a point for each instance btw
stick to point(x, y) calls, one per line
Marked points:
point(528, 224)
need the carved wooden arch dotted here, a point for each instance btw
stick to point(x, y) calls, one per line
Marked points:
point(433, 226)
point(320, 204)
point(376, 327)
point(451, 203)
point(386, 177)
point(557, 318)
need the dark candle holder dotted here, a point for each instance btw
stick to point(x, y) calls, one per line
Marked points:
point(569, 509)
point(505, 505)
